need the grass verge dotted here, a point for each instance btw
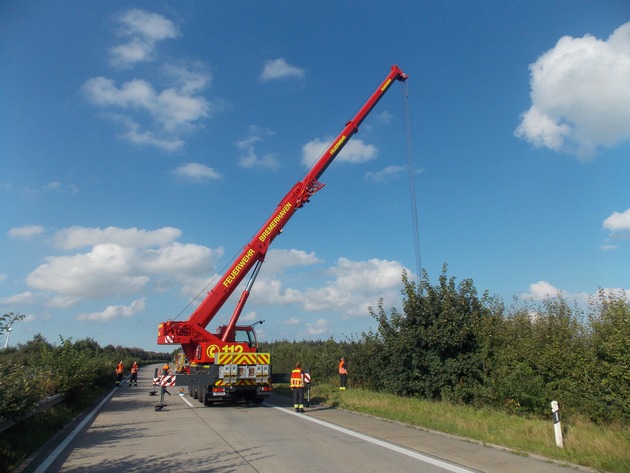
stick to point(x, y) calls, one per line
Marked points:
point(604, 448)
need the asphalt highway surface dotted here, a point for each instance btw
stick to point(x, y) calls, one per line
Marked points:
point(125, 433)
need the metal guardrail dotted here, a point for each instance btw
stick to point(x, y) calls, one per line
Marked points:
point(42, 406)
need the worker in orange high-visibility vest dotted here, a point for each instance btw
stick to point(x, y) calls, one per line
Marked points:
point(343, 374)
point(297, 386)
point(134, 374)
point(120, 369)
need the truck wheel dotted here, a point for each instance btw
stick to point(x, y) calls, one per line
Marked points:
point(202, 395)
point(195, 392)
point(190, 390)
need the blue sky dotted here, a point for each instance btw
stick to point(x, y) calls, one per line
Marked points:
point(142, 144)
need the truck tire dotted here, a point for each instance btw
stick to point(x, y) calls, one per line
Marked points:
point(202, 394)
point(208, 400)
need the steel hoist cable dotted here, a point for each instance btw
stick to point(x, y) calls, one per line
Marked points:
point(412, 184)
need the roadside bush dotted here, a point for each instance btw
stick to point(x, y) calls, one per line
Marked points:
point(38, 369)
point(608, 385)
point(433, 349)
point(18, 393)
point(447, 343)
point(365, 364)
point(320, 357)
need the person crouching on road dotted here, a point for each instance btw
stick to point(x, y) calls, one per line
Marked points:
point(297, 386)
point(134, 374)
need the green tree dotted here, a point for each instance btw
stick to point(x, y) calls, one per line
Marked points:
point(541, 357)
point(319, 357)
point(432, 350)
point(610, 326)
point(367, 368)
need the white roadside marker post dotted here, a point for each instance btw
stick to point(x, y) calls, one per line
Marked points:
point(556, 423)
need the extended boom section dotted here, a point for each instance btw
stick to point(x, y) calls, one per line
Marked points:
point(199, 345)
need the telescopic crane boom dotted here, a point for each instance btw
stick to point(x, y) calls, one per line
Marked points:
point(201, 346)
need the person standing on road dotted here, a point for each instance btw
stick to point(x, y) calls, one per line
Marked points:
point(343, 374)
point(120, 369)
point(134, 374)
point(297, 386)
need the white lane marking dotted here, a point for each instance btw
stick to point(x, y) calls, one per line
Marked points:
point(186, 401)
point(57, 451)
point(410, 453)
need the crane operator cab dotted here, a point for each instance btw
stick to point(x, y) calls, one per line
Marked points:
point(244, 335)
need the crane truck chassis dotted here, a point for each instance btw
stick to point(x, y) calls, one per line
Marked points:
point(226, 365)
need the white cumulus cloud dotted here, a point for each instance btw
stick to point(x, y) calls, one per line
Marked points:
point(278, 260)
point(104, 271)
point(24, 298)
point(618, 221)
point(78, 237)
point(580, 92)
point(114, 312)
point(118, 262)
point(618, 224)
point(319, 327)
point(197, 172)
point(387, 173)
point(356, 151)
point(26, 232)
point(280, 69)
point(176, 259)
point(142, 31)
point(152, 115)
point(540, 291)
point(171, 109)
point(250, 157)
point(351, 286)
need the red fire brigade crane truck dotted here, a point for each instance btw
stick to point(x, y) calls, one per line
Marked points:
point(226, 365)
